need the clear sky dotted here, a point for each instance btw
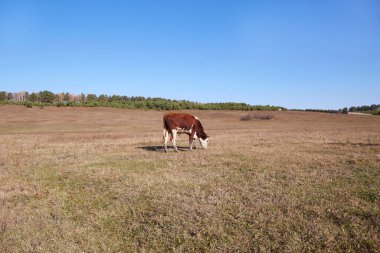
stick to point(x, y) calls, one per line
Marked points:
point(298, 54)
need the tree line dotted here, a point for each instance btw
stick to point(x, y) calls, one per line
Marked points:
point(363, 108)
point(371, 109)
point(48, 98)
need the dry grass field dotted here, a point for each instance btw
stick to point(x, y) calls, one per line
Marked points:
point(97, 180)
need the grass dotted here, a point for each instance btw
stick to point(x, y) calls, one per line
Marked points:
point(91, 179)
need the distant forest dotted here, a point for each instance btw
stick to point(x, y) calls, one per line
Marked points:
point(370, 109)
point(48, 98)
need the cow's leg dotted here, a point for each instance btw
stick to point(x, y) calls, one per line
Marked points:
point(174, 137)
point(166, 139)
point(194, 135)
point(191, 141)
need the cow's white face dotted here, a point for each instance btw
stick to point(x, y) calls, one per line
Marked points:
point(204, 142)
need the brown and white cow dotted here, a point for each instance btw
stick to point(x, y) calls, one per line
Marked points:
point(181, 123)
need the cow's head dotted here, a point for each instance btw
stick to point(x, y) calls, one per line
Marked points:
point(203, 142)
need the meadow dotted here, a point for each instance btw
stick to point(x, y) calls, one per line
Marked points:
point(76, 179)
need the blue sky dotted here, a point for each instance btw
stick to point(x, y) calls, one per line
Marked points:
point(297, 54)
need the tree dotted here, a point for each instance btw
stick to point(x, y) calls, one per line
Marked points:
point(47, 96)
point(103, 98)
point(345, 110)
point(33, 97)
point(82, 98)
point(10, 96)
point(91, 97)
point(3, 96)
point(66, 97)
point(114, 98)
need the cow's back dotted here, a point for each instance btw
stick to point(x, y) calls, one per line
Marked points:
point(178, 120)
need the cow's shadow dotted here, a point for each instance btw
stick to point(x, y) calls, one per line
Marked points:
point(161, 148)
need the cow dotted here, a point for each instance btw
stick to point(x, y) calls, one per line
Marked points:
point(182, 123)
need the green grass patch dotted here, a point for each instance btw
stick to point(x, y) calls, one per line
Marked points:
point(369, 195)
